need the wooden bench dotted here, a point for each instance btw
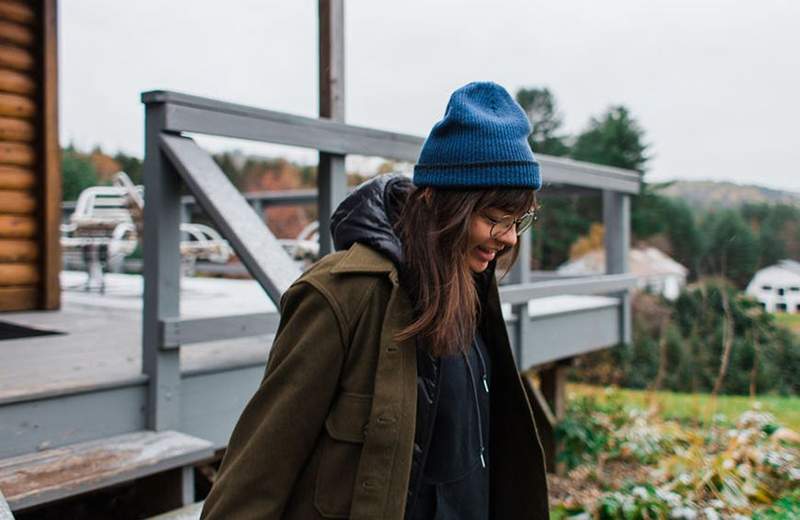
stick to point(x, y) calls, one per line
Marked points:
point(107, 224)
point(46, 476)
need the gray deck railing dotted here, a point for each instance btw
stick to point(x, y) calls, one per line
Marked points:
point(170, 156)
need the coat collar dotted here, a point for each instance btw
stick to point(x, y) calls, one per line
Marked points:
point(363, 259)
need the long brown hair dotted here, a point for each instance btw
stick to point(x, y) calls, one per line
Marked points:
point(434, 228)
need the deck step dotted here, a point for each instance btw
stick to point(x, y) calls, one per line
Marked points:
point(190, 512)
point(5, 511)
point(37, 478)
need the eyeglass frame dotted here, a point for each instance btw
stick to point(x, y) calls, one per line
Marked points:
point(531, 215)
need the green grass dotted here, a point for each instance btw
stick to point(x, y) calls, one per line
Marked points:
point(699, 407)
point(790, 321)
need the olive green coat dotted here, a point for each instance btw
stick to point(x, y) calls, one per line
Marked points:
point(330, 431)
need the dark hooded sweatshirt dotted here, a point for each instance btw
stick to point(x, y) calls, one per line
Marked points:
point(450, 469)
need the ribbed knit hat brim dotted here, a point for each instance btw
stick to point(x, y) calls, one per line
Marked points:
point(517, 174)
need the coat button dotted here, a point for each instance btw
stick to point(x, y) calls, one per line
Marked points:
point(386, 419)
point(369, 484)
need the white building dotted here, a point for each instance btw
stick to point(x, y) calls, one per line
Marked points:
point(777, 287)
point(654, 270)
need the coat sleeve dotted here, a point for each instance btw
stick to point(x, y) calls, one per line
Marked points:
point(277, 431)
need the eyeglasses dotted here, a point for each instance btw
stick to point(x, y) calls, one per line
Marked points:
point(501, 226)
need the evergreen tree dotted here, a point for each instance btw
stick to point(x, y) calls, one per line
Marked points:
point(614, 139)
point(542, 109)
point(684, 235)
point(731, 247)
point(77, 174)
point(131, 165)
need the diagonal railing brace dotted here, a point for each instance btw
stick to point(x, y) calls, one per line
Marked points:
point(253, 242)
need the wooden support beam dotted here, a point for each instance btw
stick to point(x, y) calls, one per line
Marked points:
point(553, 383)
point(50, 163)
point(331, 176)
point(161, 275)
point(254, 243)
point(520, 274)
point(545, 422)
point(617, 223)
point(553, 386)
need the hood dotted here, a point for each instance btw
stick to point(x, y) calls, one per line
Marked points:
point(367, 216)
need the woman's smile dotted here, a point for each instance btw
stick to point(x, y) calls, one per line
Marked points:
point(486, 254)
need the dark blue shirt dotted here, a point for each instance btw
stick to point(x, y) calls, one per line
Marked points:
point(455, 477)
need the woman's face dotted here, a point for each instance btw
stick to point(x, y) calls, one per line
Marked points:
point(482, 248)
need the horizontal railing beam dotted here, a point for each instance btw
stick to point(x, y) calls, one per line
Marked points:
point(558, 170)
point(177, 333)
point(601, 284)
point(186, 113)
point(271, 198)
point(211, 117)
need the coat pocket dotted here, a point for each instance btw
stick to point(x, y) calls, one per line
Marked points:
point(340, 451)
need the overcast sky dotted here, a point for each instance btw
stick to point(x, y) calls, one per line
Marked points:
point(715, 84)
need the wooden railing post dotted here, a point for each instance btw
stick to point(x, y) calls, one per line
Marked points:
point(162, 214)
point(520, 273)
point(331, 174)
point(617, 223)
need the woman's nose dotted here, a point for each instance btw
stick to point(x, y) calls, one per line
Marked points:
point(509, 238)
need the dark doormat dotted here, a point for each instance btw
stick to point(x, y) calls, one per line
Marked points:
point(14, 331)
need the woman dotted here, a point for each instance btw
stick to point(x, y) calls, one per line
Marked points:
point(391, 391)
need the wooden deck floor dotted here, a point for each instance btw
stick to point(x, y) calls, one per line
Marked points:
point(101, 334)
point(100, 340)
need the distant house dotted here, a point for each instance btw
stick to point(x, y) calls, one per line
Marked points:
point(777, 287)
point(654, 270)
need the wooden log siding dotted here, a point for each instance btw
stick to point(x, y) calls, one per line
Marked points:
point(16, 34)
point(18, 298)
point(16, 82)
point(17, 154)
point(13, 129)
point(18, 251)
point(18, 274)
point(13, 226)
point(16, 178)
point(16, 58)
point(24, 46)
point(17, 202)
point(15, 105)
point(17, 11)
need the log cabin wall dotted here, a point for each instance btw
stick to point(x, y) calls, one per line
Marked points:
point(30, 179)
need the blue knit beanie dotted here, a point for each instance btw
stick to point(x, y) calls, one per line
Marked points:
point(482, 141)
